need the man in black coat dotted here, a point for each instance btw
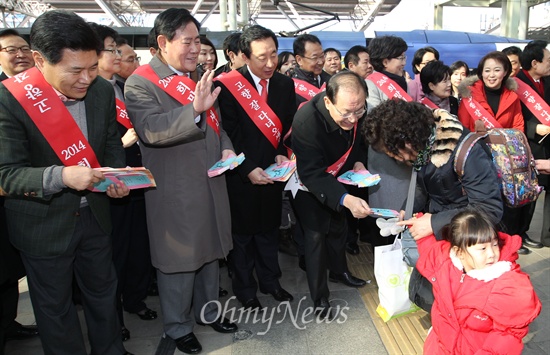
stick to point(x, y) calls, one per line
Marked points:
point(323, 132)
point(535, 63)
point(255, 199)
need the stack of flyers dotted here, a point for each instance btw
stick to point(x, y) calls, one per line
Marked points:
point(134, 178)
point(229, 164)
point(361, 178)
point(282, 171)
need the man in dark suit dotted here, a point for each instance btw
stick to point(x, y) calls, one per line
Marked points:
point(535, 64)
point(323, 132)
point(254, 198)
point(15, 57)
point(59, 226)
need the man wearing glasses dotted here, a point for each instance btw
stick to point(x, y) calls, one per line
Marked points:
point(15, 57)
point(326, 144)
point(129, 59)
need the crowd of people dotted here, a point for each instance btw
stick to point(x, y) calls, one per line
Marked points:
point(180, 113)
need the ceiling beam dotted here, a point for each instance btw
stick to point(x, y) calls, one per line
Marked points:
point(28, 8)
point(118, 22)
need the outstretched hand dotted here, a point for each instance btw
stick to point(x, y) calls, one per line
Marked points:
point(204, 96)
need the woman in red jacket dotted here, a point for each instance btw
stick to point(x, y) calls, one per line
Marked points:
point(483, 302)
point(493, 90)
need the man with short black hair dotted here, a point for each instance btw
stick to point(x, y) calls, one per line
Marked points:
point(61, 228)
point(232, 54)
point(513, 53)
point(15, 54)
point(333, 61)
point(129, 60)
point(357, 60)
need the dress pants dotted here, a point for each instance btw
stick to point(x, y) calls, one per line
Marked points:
point(181, 293)
point(89, 258)
point(324, 251)
point(9, 296)
point(260, 252)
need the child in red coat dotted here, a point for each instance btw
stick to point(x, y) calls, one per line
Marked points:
point(483, 302)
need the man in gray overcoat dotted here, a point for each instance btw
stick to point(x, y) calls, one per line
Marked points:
point(188, 213)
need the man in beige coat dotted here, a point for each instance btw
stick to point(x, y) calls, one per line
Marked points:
point(188, 213)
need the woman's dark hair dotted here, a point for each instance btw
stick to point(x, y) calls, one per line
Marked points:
point(56, 30)
point(434, 72)
point(208, 42)
point(172, 19)
point(394, 123)
point(459, 64)
point(385, 47)
point(103, 32)
point(348, 80)
point(419, 54)
point(499, 57)
point(470, 227)
point(252, 34)
point(282, 58)
point(152, 39)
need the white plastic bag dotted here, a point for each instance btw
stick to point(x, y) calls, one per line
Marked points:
point(392, 276)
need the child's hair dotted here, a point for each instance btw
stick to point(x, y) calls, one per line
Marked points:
point(470, 227)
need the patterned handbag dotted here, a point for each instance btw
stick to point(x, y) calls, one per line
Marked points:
point(512, 158)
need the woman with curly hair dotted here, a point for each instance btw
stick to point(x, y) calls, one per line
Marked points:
point(411, 133)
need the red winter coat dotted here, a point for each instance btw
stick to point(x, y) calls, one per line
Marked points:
point(484, 311)
point(509, 109)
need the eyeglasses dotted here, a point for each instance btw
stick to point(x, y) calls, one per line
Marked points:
point(113, 51)
point(357, 113)
point(316, 59)
point(14, 50)
point(401, 58)
point(132, 60)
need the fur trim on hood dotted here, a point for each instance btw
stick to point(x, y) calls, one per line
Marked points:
point(465, 91)
point(448, 131)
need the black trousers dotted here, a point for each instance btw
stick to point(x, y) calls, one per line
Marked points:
point(50, 278)
point(258, 252)
point(9, 296)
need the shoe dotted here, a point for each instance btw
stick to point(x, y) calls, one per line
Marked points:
point(222, 292)
point(352, 248)
point(530, 243)
point(17, 331)
point(221, 325)
point(280, 295)
point(347, 279)
point(524, 251)
point(188, 344)
point(252, 305)
point(153, 289)
point(286, 243)
point(302, 262)
point(125, 333)
point(322, 308)
point(146, 314)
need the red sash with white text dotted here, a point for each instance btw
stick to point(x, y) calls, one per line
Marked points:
point(58, 126)
point(181, 88)
point(389, 87)
point(305, 89)
point(255, 107)
point(532, 100)
point(429, 103)
point(335, 168)
point(122, 115)
point(479, 113)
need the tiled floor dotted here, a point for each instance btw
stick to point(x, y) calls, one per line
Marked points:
point(296, 332)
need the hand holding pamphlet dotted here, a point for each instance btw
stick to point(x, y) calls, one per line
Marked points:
point(134, 178)
point(229, 164)
point(361, 178)
point(282, 171)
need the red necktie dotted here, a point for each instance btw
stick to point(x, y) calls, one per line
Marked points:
point(263, 84)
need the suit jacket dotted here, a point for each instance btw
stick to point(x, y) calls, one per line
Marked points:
point(542, 150)
point(42, 224)
point(188, 214)
point(255, 208)
point(319, 142)
point(3, 76)
point(308, 77)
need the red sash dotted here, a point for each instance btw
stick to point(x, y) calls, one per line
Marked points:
point(389, 87)
point(181, 88)
point(58, 126)
point(429, 103)
point(305, 89)
point(255, 107)
point(479, 113)
point(335, 168)
point(122, 115)
point(532, 100)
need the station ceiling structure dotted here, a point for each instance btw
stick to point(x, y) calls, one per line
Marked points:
point(238, 13)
